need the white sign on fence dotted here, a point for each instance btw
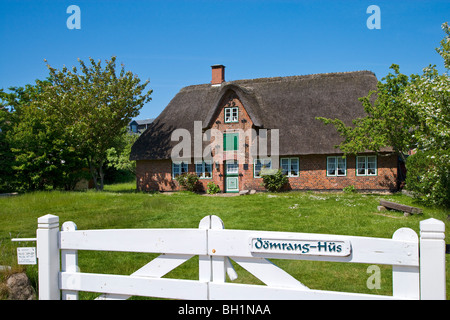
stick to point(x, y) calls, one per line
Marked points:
point(302, 247)
point(26, 255)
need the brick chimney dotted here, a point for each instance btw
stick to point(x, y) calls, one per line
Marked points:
point(218, 74)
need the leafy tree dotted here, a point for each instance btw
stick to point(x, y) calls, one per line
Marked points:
point(119, 156)
point(429, 96)
point(429, 176)
point(41, 156)
point(93, 105)
point(11, 104)
point(389, 121)
point(6, 155)
point(409, 113)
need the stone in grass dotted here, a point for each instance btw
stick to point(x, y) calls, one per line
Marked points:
point(19, 287)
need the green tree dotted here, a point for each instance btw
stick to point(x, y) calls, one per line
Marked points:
point(10, 108)
point(93, 105)
point(41, 156)
point(119, 156)
point(409, 113)
point(429, 97)
point(390, 121)
point(6, 155)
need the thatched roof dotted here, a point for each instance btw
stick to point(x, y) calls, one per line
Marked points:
point(290, 104)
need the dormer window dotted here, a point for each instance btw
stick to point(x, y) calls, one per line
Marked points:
point(231, 114)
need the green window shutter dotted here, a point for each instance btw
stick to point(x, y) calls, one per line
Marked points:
point(230, 141)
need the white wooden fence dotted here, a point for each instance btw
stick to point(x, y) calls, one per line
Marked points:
point(418, 265)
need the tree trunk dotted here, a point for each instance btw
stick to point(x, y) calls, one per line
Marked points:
point(93, 173)
point(102, 175)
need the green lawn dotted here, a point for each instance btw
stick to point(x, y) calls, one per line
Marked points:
point(119, 206)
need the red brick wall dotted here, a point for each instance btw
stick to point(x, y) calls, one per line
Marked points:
point(157, 175)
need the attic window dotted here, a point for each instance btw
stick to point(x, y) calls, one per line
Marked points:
point(231, 114)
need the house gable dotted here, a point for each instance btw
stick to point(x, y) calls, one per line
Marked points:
point(230, 102)
point(243, 96)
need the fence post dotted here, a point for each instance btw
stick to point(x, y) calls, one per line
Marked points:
point(69, 262)
point(432, 260)
point(213, 268)
point(48, 257)
point(406, 279)
point(218, 262)
point(204, 266)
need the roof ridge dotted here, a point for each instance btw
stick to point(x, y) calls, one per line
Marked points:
point(279, 78)
point(307, 75)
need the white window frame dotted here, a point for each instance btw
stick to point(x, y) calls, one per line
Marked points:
point(262, 163)
point(178, 168)
point(334, 160)
point(366, 165)
point(200, 169)
point(232, 167)
point(289, 166)
point(231, 114)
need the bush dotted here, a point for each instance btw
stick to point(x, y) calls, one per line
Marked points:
point(212, 188)
point(349, 189)
point(188, 181)
point(274, 182)
point(428, 177)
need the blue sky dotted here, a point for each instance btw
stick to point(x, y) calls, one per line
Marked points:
point(173, 42)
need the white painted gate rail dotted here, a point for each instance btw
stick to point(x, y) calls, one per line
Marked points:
point(418, 266)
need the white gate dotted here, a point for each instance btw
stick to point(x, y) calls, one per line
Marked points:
point(418, 266)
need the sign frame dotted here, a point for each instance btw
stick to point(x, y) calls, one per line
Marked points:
point(307, 247)
point(26, 255)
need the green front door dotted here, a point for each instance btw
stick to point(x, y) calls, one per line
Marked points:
point(231, 176)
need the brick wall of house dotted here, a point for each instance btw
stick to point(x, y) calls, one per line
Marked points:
point(157, 175)
point(313, 175)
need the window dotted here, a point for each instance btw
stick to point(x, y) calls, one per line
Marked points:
point(231, 114)
point(230, 141)
point(366, 165)
point(336, 166)
point(259, 166)
point(203, 169)
point(232, 167)
point(289, 167)
point(179, 168)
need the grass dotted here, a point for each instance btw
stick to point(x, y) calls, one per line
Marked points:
point(119, 206)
